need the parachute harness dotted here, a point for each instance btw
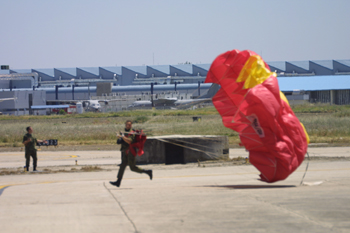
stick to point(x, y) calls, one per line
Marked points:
point(139, 144)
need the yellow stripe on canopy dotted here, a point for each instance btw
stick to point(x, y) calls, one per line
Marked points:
point(254, 72)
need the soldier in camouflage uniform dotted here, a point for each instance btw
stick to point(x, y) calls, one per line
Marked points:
point(127, 157)
point(29, 142)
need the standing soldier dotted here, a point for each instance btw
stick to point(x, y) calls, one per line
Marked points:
point(127, 157)
point(29, 141)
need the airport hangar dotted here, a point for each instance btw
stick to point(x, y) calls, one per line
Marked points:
point(325, 81)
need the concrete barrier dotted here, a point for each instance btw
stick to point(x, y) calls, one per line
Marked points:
point(181, 149)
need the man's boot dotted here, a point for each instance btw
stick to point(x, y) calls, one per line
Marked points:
point(150, 173)
point(115, 183)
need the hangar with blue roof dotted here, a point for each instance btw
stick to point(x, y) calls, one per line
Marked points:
point(325, 81)
point(126, 75)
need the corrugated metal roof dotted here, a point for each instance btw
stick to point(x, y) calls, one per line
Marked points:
point(302, 64)
point(344, 62)
point(71, 71)
point(277, 65)
point(48, 72)
point(24, 71)
point(325, 63)
point(309, 75)
point(138, 69)
point(203, 66)
point(113, 69)
point(319, 67)
point(91, 70)
point(162, 68)
point(184, 67)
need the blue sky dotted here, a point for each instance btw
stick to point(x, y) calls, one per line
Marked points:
point(91, 33)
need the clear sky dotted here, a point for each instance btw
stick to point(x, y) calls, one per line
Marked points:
point(91, 33)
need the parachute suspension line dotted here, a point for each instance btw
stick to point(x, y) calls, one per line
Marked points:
point(238, 106)
point(191, 148)
point(195, 144)
point(254, 148)
point(135, 133)
point(308, 160)
point(244, 135)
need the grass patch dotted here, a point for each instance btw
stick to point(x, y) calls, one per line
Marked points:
point(324, 124)
point(91, 168)
point(20, 171)
point(141, 119)
point(9, 172)
point(343, 113)
point(320, 108)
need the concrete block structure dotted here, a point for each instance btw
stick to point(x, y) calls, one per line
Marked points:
point(181, 149)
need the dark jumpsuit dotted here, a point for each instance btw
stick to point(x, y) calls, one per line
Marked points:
point(30, 150)
point(128, 158)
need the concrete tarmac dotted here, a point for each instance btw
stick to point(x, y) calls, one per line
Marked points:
point(212, 197)
point(54, 157)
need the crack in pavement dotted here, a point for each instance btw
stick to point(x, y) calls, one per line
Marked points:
point(127, 216)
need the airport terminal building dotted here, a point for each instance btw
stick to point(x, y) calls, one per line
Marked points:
point(326, 81)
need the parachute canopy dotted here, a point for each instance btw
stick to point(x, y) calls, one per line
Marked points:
point(251, 103)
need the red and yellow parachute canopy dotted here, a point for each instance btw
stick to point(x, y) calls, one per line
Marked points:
point(251, 103)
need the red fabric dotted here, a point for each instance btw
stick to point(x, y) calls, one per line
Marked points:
point(139, 144)
point(266, 124)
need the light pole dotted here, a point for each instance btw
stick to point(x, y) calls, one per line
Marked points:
point(72, 82)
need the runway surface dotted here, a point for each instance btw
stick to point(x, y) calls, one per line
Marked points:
point(211, 197)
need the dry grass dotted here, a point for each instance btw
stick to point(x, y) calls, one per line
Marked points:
point(328, 125)
point(21, 171)
point(88, 131)
point(326, 128)
point(91, 168)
